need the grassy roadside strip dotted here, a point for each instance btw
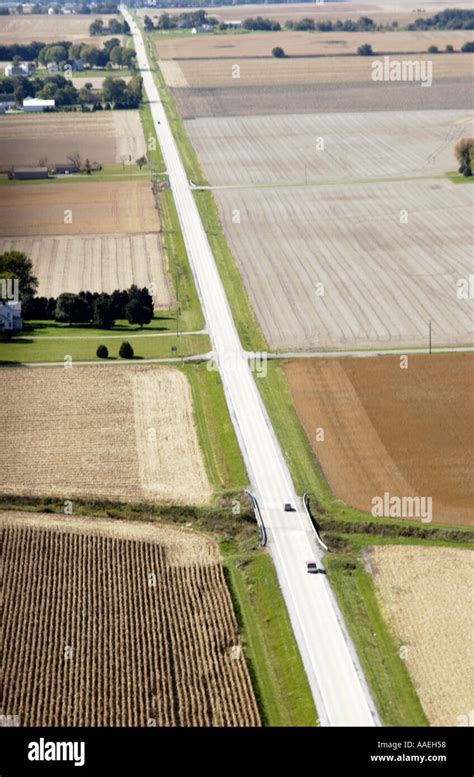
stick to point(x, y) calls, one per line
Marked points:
point(377, 648)
point(45, 349)
point(224, 463)
point(153, 151)
point(191, 315)
point(278, 675)
point(251, 335)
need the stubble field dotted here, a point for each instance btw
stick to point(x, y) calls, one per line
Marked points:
point(408, 432)
point(338, 146)
point(337, 267)
point(108, 137)
point(307, 44)
point(124, 434)
point(429, 607)
point(128, 627)
point(101, 263)
point(94, 237)
point(49, 29)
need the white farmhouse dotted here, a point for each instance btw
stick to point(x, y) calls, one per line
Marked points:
point(35, 105)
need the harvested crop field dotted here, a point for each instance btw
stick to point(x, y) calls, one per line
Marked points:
point(143, 624)
point(316, 72)
point(297, 98)
point(403, 11)
point(88, 236)
point(107, 137)
point(112, 433)
point(78, 209)
point(407, 432)
point(429, 607)
point(101, 263)
point(282, 149)
point(337, 267)
point(307, 45)
point(49, 29)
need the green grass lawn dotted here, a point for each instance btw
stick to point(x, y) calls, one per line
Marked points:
point(224, 462)
point(44, 349)
point(458, 178)
point(161, 323)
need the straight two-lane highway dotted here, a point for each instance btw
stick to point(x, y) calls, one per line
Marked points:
point(333, 670)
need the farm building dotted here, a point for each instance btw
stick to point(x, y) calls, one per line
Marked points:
point(65, 169)
point(29, 173)
point(35, 105)
point(10, 317)
point(5, 104)
point(23, 69)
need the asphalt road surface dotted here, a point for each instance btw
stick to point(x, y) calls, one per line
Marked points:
point(336, 680)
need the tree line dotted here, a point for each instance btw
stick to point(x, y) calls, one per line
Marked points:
point(66, 53)
point(115, 92)
point(114, 27)
point(101, 310)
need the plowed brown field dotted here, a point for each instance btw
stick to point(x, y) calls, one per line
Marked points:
point(408, 432)
point(430, 608)
point(78, 209)
point(110, 630)
point(122, 434)
point(108, 138)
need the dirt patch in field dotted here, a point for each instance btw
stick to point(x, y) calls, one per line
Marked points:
point(101, 263)
point(426, 595)
point(86, 432)
point(108, 137)
point(140, 638)
point(336, 267)
point(408, 432)
point(78, 209)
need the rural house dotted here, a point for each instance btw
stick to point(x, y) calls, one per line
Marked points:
point(10, 317)
point(35, 105)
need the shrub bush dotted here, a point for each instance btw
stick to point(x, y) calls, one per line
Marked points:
point(126, 350)
point(102, 352)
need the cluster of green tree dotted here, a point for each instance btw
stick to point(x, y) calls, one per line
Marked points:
point(42, 8)
point(16, 265)
point(464, 153)
point(115, 92)
point(114, 27)
point(185, 20)
point(65, 52)
point(348, 25)
point(91, 308)
point(104, 8)
point(258, 24)
point(450, 19)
